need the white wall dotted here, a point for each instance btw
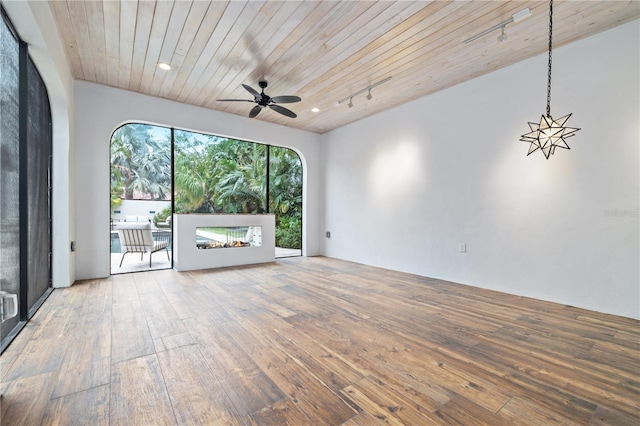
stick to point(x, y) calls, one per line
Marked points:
point(100, 110)
point(36, 26)
point(451, 169)
point(139, 208)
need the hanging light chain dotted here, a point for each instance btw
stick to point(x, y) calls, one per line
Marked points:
point(549, 134)
point(550, 46)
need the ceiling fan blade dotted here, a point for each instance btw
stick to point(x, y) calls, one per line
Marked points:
point(283, 111)
point(251, 90)
point(255, 111)
point(286, 99)
point(234, 100)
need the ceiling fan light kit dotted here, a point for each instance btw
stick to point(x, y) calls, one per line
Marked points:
point(262, 100)
point(549, 134)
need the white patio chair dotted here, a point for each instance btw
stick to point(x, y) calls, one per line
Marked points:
point(137, 238)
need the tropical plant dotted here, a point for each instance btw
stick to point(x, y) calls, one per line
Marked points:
point(140, 162)
point(242, 186)
point(162, 215)
point(289, 232)
point(195, 174)
point(116, 201)
point(285, 182)
point(221, 175)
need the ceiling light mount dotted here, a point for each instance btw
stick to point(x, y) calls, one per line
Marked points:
point(549, 134)
point(359, 92)
point(516, 17)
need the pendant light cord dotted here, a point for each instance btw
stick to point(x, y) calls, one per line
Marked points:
point(550, 46)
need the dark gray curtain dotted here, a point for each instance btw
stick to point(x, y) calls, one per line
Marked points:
point(33, 235)
point(10, 170)
point(38, 152)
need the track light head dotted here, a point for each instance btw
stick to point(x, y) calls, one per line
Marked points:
point(517, 17)
point(359, 92)
point(503, 36)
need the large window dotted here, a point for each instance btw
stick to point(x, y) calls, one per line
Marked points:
point(25, 158)
point(222, 175)
point(211, 174)
point(219, 175)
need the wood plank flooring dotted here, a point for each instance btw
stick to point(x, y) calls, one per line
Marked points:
point(315, 341)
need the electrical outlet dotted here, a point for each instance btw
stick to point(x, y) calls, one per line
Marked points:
point(463, 248)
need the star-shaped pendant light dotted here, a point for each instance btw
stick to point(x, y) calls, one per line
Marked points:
point(549, 134)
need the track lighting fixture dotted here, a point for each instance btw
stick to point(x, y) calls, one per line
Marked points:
point(502, 37)
point(516, 17)
point(359, 92)
point(549, 133)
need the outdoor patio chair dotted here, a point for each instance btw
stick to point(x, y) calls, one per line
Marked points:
point(138, 238)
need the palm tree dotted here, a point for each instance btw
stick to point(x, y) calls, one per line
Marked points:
point(220, 175)
point(285, 196)
point(140, 163)
point(285, 181)
point(195, 173)
point(242, 185)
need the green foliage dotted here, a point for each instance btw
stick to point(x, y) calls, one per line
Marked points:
point(141, 162)
point(219, 175)
point(285, 187)
point(289, 232)
point(116, 192)
point(162, 215)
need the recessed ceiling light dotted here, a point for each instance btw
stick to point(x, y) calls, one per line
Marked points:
point(315, 109)
point(164, 66)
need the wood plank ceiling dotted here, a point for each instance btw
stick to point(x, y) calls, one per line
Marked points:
point(322, 51)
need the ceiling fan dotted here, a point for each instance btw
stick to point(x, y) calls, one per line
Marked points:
point(263, 100)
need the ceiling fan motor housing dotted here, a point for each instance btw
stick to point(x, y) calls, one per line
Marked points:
point(262, 100)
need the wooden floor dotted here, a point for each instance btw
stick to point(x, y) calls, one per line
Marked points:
point(315, 341)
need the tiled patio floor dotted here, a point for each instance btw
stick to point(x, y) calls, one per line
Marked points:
point(132, 262)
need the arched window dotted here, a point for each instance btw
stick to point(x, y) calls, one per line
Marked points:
point(210, 174)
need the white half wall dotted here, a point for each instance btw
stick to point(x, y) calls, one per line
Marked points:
point(100, 110)
point(187, 256)
point(36, 26)
point(405, 188)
